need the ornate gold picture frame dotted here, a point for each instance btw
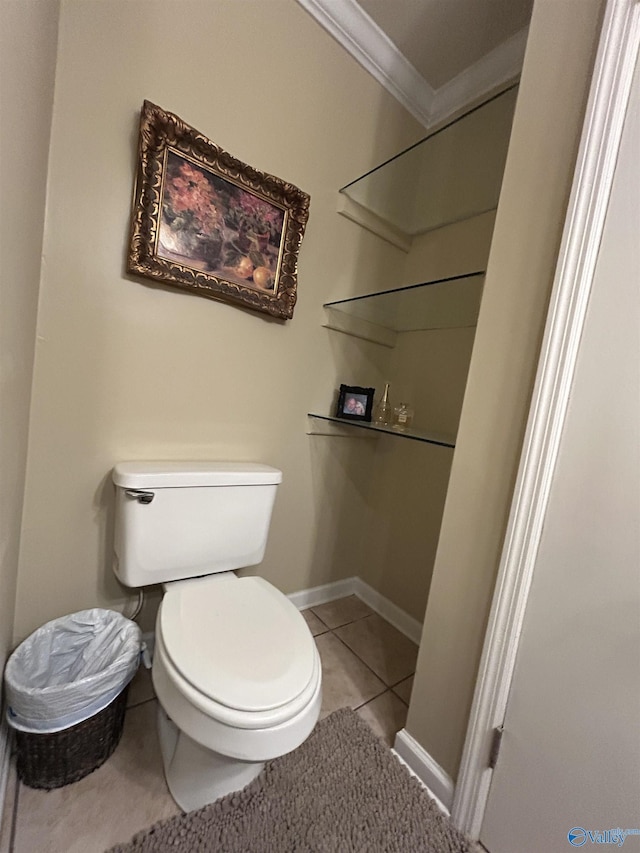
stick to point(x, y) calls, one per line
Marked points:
point(206, 222)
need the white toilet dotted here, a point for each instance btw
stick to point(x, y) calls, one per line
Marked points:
point(235, 669)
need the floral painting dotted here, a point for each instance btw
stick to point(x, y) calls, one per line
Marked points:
point(209, 223)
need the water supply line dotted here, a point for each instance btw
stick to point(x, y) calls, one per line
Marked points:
point(137, 608)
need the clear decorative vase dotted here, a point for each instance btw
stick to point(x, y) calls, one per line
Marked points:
point(383, 413)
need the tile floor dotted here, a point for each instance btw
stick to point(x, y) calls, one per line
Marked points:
point(367, 665)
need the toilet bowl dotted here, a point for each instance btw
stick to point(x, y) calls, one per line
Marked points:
point(227, 713)
point(235, 669)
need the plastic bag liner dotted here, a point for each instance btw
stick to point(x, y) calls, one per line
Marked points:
point(70, 669)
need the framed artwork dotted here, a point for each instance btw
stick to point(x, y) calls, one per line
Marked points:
point(204, 221)
point(355, 403)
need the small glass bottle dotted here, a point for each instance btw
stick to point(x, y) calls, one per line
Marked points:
point(402, 416)
point(383, 414)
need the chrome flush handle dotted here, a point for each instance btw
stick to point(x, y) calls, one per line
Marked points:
point(140, 496)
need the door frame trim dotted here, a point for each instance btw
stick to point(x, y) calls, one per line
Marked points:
point(602, 130)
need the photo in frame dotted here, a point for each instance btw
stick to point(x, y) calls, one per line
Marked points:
point(355, 403)
point(204, 221)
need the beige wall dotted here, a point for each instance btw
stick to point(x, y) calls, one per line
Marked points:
point(27, 66)
point(126, 369)
point(409, 479)
point(452, 250)
point(537, 179)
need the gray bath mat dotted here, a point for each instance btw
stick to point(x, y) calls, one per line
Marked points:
point(342, 791)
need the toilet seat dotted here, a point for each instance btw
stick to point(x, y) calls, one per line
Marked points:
point(230, 718)
point(238, 649)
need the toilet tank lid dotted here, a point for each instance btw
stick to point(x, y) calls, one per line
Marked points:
point(159, 474)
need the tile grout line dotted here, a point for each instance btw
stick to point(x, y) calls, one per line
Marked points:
point(350, 622)
point(141, 702)
point(373, 698)
point(311, 610)
point(406, 704)
point(378, 695)
point(406, 678)
point(364, 663)
point(353, 621)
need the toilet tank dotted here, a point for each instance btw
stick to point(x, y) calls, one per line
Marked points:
point(176, 520)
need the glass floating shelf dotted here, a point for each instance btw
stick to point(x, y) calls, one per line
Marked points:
point(445, 303)
point(451, 175)
point(413, 434)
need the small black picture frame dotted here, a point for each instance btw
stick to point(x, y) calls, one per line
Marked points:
point(355, 403)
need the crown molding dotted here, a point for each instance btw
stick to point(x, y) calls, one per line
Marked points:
point(498, 68)
point(350, 25)
point(358, 33)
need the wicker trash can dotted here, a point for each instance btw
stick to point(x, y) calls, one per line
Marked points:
point(66, 687)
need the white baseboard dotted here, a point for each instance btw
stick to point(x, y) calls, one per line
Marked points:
point(5, 757)
point(316, 595)
point(445, 811)
point(435, 779)
point(401, 620)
